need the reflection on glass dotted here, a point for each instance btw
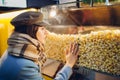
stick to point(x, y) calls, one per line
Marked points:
point(107, 2)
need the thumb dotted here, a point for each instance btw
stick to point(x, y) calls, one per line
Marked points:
point(67, 50)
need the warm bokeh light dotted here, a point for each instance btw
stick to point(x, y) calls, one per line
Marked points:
point(53, 13)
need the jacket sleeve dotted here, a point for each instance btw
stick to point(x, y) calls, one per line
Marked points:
point(64, 73)
point(33, 72)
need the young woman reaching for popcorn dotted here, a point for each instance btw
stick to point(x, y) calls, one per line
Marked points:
point(25, 53)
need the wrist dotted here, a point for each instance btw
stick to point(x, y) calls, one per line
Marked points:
point(70, 65)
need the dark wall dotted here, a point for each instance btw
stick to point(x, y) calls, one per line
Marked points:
point(41, 3)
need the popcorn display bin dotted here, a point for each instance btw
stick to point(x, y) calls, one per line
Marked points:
point(97, 30)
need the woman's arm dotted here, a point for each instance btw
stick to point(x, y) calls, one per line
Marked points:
point(71, 57)
point(64, 73)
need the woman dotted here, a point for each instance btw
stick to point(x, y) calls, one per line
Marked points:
point(25, 53)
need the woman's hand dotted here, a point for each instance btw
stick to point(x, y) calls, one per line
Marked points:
point(72, 54)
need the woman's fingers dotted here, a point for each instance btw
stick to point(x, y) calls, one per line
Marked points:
point(67, 50)
point(76, 48)
point(73, 49)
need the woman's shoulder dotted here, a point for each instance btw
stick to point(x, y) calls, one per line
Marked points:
point(20, 61)
point(9, 59)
